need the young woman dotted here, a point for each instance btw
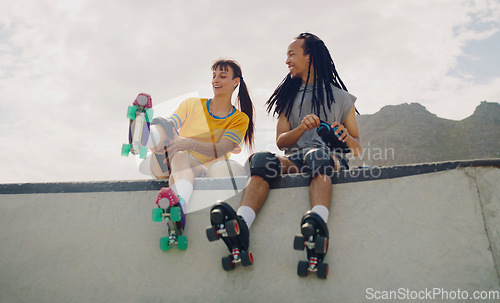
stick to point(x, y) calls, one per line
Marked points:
point(199, 133)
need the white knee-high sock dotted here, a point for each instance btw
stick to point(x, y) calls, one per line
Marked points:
point(248, 215)
point(145, 167)
point(184, 189)
point(322, 211)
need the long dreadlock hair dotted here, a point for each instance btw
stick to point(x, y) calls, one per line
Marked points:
point(324, 75)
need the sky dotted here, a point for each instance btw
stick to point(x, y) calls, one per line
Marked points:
point(70, 68)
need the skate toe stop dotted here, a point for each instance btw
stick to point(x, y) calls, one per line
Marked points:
point(216, 216)
point(307, 229)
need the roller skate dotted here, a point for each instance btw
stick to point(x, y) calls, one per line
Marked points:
point(327, 134)
point(168, 125)
point(169, 209)
point(140, 114)
point(314, 239)
point(233, 230)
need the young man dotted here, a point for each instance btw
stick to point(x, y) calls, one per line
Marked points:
point(310, 94)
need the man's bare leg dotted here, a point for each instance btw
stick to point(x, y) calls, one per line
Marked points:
point(257, 190)
point(320, 192)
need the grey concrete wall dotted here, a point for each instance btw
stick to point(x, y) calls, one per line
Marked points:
point(423, 231)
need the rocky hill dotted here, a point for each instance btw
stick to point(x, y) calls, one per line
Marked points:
point(408, 133)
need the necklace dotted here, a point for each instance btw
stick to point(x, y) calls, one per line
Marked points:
point(212, 115)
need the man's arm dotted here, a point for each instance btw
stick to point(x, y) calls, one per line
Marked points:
point(287, 137)
point(350, 132)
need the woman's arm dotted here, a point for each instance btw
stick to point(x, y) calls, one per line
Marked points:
point(221, 148)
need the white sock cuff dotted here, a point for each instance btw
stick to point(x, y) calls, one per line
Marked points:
point(154, 137)
point(248, 215)
point(184, 189)
point(322, 211)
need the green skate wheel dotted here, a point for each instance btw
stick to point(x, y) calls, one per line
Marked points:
point(126, 149)
point(175, 214)
point(182, 242)
point(157, 212)
point(131, 112)
point(149, 114)
point(143, 152)
point(165, 244)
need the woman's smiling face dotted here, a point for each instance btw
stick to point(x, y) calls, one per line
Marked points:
point(223, 82)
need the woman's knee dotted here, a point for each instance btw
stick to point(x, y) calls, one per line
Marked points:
point(184, 163)
point(179, 158)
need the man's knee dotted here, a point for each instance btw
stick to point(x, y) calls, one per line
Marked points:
point(265, 165)
point(319, 162)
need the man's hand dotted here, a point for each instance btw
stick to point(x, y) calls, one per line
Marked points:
point(340, 129)
point(310, 122)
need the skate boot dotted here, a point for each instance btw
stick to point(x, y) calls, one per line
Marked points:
point(327, 134)
point(170, 209)
point(314, 238)
point(234, 232)
point(169, 127)
point(140, 115)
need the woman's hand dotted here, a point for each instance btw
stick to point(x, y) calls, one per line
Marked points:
point(160, 148)
point(178, 144)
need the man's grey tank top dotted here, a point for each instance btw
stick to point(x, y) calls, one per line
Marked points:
point(343, 104)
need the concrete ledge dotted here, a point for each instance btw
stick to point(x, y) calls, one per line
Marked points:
point(439, 228)
point(389, 172)
point(353, 175)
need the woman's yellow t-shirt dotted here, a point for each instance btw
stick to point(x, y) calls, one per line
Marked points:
point(194, 121)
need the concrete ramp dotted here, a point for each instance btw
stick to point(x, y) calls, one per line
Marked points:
point(396, 231)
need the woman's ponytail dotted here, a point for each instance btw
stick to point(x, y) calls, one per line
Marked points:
point(246, 106)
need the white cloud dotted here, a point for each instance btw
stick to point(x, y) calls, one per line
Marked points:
point(68, 69)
